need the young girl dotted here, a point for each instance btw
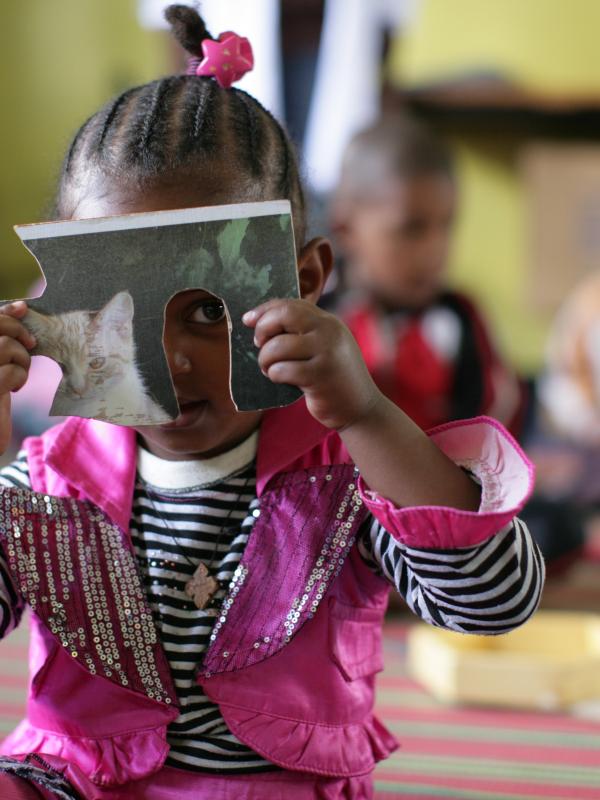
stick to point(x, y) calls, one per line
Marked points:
point(255, 678)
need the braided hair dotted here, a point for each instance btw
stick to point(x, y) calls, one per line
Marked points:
point(185, 126)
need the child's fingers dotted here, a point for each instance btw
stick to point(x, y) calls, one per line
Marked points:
point(13, 352)
point(285, 347)
point(12, 378)
point(17, 309)
point(250, 318)
point(284, 316)
point(295, 373)
point(12, 328)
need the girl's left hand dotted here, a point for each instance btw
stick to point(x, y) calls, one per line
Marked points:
point(307, 347)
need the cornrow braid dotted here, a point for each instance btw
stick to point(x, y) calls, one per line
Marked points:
point(69, 160)
point(202, 125)
point(252, 128)
point(150, 118)
point(112, 110)
point(179, 127)
point(287, 158)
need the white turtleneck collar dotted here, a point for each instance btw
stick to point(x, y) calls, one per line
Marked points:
point(166, 474)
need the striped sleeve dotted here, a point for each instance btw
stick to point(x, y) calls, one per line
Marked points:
point(16, 473)
point(11, 604)
point(490, 588)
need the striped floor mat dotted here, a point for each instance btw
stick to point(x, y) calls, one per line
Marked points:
point(448, 753)
point(478, 754)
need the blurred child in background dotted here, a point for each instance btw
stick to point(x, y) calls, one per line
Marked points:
point(570, 390)
point(426, 346)
point(565, 440)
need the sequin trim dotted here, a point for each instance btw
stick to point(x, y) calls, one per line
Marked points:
point(72, 568)
point(330, 561)
point(237, 581)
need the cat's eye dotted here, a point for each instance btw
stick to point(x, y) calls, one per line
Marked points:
point(97, 363)
point(208, 312)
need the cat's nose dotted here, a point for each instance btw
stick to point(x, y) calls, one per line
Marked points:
point(77, 385)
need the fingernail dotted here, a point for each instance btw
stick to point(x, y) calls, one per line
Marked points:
point(248, 317)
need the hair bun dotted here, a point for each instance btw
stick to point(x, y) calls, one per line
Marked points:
point(188, 27)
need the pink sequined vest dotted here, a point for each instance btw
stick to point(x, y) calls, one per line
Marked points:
point(292, 657)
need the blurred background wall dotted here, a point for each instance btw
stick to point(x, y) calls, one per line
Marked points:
point(58, 62)
point(500, 78)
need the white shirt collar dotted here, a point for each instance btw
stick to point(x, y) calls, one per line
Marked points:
point(166, 474)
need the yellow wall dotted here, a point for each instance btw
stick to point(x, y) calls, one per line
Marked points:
point(547, 45)
point(59, 61)
point(550, 46)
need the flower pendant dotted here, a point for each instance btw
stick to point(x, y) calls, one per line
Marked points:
point(202, 586)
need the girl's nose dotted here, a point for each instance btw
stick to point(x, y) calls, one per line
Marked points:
point(179, 364)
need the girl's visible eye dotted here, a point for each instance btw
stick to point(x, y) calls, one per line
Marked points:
point(208, 313)
point(97, 363)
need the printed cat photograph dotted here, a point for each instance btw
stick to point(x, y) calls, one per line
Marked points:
point(98, 272)
point(96, 353)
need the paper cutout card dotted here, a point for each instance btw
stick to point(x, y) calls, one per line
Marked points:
point(109, 280)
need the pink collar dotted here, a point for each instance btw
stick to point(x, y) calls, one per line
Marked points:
point(99, 458)
point(286, 434)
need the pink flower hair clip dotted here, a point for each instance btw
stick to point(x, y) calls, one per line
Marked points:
point(226, 59)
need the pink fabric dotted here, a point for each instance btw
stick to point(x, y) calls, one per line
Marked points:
point(300, 511)
point(13, 788)
point(269, 701)
point(46, 648)
point(62, 463)
point(272, 708)
point(175, 784)
point(291, 438)
point(123, 744)
point(76, 458)
point(485, 448)
point(110, 761)
point(293, 744)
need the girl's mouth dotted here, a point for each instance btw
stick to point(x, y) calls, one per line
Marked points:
point(189, 413)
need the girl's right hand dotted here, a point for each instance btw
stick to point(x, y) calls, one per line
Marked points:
point(15, 343)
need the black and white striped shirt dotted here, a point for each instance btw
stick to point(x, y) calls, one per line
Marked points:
point(187, 512)
point(209, 524)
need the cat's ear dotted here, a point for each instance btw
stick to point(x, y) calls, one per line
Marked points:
point(117, 313)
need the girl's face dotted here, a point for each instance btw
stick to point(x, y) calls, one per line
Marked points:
point(398, 241)
point(196, 341)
